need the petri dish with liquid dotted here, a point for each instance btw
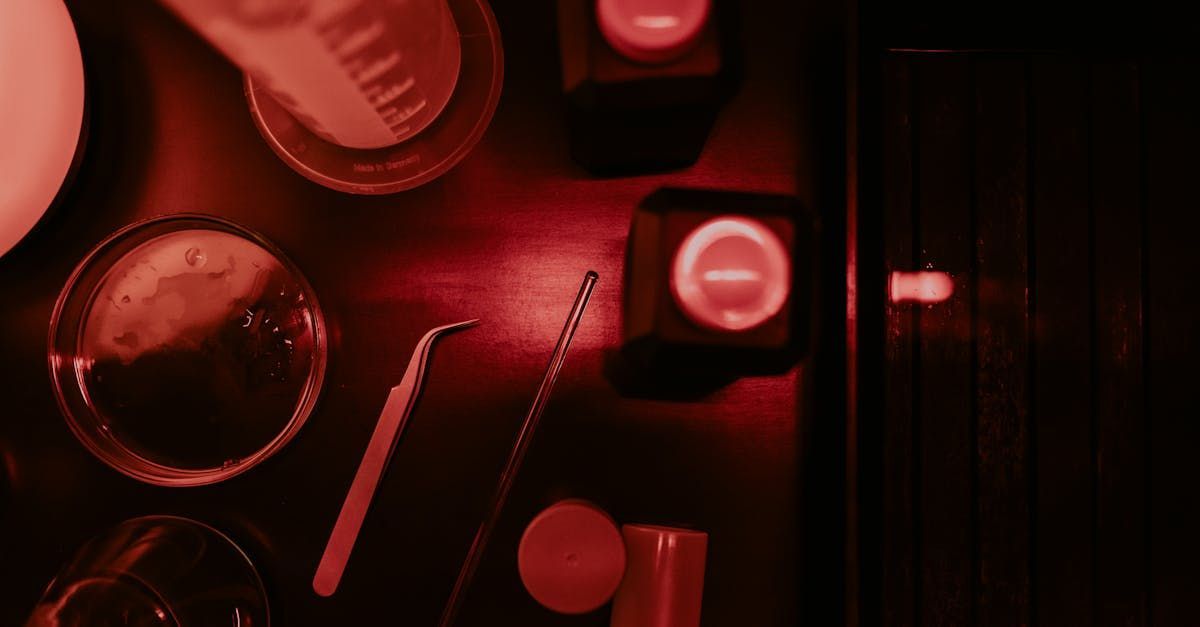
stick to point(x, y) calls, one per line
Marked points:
point(186, 349)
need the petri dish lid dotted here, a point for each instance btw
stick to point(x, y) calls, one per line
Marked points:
point(41, 111)
point(418, 160)
point(186, 349)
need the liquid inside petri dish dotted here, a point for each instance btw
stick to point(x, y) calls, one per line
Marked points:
point(197, 349)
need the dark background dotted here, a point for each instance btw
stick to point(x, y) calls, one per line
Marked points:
point(506, 236)
point(1023, 453)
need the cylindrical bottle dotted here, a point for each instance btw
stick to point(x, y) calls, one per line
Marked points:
point(664, 577)
point(358, 73)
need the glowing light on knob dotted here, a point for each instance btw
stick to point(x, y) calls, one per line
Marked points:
point(920, 287)
point(731, 274)
point(652, 31)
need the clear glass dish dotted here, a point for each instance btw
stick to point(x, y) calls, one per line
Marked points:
point(185, 349)
point(156, 571)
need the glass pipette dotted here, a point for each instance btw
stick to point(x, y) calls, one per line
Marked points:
point(517, 455)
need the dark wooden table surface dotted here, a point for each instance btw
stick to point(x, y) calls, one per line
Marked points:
point(506, 237)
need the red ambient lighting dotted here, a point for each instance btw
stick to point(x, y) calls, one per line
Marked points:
point(731, 274)
point(920, 287)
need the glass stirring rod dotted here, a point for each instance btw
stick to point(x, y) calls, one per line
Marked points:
point(517, 455)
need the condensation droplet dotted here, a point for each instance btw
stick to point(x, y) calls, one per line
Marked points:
point(195, 257)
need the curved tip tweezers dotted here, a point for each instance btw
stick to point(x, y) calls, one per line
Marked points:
point(399, 405)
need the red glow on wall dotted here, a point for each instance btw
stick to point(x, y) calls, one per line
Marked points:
point(920, 287)
point(731, 274)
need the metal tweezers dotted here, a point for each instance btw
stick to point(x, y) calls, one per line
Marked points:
point(399, 405)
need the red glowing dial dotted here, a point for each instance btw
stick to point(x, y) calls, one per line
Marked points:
point(652, 31)
point(731, 274)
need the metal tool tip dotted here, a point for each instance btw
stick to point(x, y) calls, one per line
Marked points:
point(591, 274)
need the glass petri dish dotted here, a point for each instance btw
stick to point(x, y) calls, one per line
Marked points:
point(184, 350)
point(155, 571)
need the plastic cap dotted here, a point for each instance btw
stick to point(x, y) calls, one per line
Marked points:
point(571, 557)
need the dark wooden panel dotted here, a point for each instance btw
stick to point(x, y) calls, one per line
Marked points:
point(1001, 340)
point(899, 426)
point(1118, 392)
point(1037, 426)
point(1061, 356)
point(1030, 25)
point(944, 400)
point(1172, 99)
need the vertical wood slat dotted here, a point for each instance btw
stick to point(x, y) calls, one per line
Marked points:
point(899, 539)
point(1001, 339)
point(1061, 400)
point(1172, 100)
point(1118, 387)
point(944, 483)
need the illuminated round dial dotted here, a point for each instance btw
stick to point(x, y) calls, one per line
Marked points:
point(731, 273)
point(652, 31)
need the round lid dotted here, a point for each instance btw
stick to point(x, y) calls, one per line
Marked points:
point(652, 31)
point(41, 110)
point(571, 557)
point(419, 159)
point(186, 349)
point(731, 273)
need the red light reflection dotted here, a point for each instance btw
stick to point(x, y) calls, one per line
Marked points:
point(920, 287)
